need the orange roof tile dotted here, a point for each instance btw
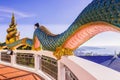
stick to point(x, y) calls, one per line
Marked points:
point(10, 73)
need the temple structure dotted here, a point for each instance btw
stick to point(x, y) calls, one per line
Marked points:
point(13, 40)
point(12, 33)
point(53, 61)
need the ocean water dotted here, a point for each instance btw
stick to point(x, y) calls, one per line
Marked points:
point(108, 61)
point(97, 59)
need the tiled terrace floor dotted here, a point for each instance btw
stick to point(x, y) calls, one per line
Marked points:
point(10, 73)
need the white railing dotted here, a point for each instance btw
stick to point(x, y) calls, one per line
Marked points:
point(85, 69)
point(80, 69)
point(37, 57)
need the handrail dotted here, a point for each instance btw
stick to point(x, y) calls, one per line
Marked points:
point(77, 70)
point(87, 70)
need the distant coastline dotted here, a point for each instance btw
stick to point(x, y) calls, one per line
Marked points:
point(97, 51)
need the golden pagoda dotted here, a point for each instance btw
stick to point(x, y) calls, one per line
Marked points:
point(12, 33)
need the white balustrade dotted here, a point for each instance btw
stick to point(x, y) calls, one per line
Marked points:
point(36, 69)
point(81, 69)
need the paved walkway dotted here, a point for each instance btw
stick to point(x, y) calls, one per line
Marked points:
point(10, 73)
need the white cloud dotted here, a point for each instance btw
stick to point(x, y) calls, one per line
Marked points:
point(9, 11)
point(5, 15)
point(56, 28)
point(104, 39)
point(3, 32)
point(27, 30)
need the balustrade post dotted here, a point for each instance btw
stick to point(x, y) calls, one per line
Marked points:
point(61, 71)
point(36, 62)
point(13, 58)
point(40, 63)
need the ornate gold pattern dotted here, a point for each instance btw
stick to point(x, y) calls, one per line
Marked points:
point(60, 51)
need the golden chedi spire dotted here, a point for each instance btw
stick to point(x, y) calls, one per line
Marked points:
point(13, 19)
point(12, 33)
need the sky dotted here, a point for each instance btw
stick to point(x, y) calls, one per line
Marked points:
point(56, 15)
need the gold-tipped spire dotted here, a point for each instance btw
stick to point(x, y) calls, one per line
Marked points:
point(12, 33)
point(13, 20)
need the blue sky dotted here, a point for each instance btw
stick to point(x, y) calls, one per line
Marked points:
point(42, 11)
point(56, 15)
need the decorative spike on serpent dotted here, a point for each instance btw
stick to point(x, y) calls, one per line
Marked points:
point(99, 16)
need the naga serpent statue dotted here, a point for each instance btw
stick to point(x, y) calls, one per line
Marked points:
point(99, 16)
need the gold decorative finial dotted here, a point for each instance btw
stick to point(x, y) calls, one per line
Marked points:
point(12, 20)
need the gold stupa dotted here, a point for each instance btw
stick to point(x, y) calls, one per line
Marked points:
point(12, 33)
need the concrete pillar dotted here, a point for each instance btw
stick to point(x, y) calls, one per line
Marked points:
point(36, 62)
point(61, 71)
point(13, 58)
